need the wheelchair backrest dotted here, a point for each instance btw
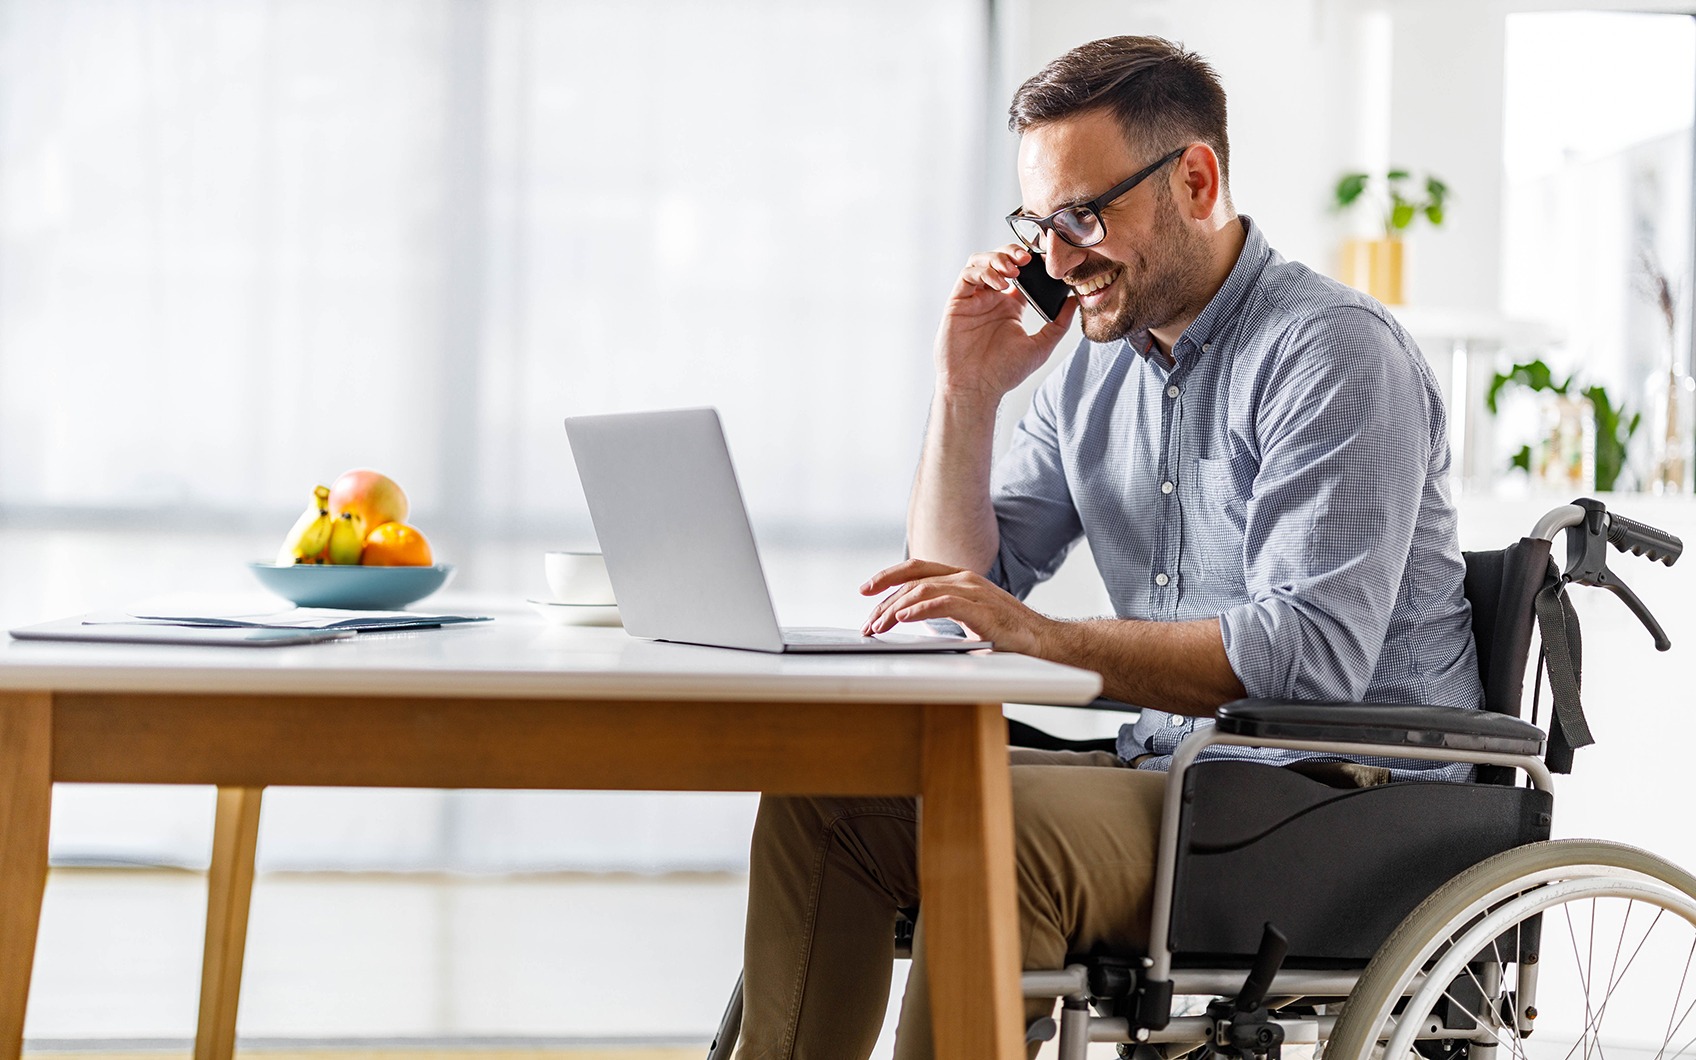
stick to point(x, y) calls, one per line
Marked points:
point(1502, 587)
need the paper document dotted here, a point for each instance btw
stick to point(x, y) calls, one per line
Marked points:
point(294, 618)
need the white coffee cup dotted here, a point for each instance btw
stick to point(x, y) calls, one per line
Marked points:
point(578, 578)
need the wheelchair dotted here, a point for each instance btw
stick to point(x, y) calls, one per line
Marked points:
point(1447, 924)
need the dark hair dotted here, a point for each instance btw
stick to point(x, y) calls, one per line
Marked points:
point(1161, 94)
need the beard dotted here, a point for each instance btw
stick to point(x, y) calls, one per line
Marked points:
point(1161, 285)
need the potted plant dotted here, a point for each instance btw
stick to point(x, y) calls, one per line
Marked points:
point(1585, 435)
point(1375, 265)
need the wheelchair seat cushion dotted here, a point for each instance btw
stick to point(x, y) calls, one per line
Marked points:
point(1381, 724)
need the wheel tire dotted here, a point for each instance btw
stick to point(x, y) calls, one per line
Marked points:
point(1359, 1028)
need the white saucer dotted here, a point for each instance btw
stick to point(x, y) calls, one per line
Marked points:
point(577, 614)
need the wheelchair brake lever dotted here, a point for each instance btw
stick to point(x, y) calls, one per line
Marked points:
point(1243, 1028)
point(1610, 581)
point(1274, 947)
point(1587, 564)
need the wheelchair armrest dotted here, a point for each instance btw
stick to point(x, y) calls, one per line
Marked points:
point(1383, 724)
point(1103, 703)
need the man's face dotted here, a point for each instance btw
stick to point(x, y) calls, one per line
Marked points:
point(1151, 268)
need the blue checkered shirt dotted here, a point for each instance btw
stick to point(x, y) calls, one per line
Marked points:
point(1286, 471)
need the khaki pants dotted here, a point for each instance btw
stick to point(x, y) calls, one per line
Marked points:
point(828, 875)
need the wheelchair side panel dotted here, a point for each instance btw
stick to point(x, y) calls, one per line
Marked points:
point(1335, 869)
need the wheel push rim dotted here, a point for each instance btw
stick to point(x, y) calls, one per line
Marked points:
point(1482, 934)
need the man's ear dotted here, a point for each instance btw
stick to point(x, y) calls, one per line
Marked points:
point(1198, 172)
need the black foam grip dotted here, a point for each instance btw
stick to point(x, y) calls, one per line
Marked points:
point(1641, 539)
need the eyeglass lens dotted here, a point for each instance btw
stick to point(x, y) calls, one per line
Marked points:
point(1079, 226)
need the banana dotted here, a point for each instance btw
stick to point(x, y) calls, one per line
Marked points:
point(347, 544)
point(310, 536)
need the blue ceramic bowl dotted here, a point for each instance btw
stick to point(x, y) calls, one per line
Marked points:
point(352, 588)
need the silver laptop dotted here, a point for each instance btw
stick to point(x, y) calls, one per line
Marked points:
point(679, 549)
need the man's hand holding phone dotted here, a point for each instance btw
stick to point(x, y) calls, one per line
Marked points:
point(982, 348)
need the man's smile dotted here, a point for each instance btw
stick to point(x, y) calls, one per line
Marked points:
point(1093, 290)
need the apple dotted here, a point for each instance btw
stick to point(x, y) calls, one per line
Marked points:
point(372, 499)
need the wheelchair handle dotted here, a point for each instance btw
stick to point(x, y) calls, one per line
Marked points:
point(1591, 528)
point(1641, 539)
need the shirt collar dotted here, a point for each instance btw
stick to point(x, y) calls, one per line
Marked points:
point(1223, 305)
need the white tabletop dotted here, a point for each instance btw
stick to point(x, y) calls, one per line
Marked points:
point(519, 656)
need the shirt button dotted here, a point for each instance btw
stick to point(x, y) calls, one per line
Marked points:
point(1172, 391)
point(1165, 487)
point(1161, 579)
point(1175, 721)
point(1207, 347)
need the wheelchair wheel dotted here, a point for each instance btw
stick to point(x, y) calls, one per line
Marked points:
point(1569, 950)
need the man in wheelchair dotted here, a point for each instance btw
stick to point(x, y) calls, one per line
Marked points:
point(1258, 458)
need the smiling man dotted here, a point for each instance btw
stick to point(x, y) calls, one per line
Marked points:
point(1257, 457)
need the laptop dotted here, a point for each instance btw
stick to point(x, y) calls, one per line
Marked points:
point(678, 545)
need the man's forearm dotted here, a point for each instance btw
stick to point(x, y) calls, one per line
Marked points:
point(1180, 667)
point(950, 518)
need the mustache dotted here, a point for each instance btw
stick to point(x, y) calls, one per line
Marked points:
point(1089, 271)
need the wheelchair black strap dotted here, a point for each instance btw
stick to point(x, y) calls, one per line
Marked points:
point(1562, 653)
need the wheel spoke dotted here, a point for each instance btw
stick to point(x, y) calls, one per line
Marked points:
point(1613, 983)
point(1476, 1018)
point(1683, 1050)
point(1682, 979)
point(1487, 920)
point(1584, 981)
point(1592, 1030)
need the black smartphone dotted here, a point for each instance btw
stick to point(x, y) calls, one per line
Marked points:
point(1045, 294)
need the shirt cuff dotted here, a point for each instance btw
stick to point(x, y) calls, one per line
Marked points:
point(1255, 642)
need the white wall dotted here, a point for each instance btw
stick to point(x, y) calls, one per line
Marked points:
point(1292, 75)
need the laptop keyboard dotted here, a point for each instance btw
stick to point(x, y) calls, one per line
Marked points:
point(821, 636)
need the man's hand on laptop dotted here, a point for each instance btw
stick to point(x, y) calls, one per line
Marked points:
point(919, 590)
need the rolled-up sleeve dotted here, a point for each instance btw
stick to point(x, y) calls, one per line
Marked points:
point(1034, 511)
point(1344, 435)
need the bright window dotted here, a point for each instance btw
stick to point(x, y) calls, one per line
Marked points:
point(1597, 197)
point(244, 246)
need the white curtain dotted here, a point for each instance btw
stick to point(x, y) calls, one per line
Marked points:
point(246, 244)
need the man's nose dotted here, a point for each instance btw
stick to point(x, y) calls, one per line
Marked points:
point(1060, 257)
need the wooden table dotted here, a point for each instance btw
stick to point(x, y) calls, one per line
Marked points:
point(518, 704)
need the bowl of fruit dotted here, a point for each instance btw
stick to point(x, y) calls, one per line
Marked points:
point(352, 548)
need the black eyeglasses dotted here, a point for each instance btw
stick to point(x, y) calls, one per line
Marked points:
point(1080, 225)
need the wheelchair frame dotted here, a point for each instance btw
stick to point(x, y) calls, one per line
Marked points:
point(1078, 1027)
point(1472, 907)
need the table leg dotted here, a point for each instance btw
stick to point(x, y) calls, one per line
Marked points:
point(966, 877)
point(26, 802)
point(235, 839)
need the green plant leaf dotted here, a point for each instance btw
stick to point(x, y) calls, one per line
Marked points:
point(1613, 436)
point(1434, 213)
point(1350, 187)
point(1532, 375)
point(1436, 188)
point(1397, 174)
point(1522, 459)
point(1401, 214)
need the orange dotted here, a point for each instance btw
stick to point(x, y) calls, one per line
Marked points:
point(396, 545)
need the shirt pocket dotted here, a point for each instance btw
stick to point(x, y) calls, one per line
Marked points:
point(1213, 524)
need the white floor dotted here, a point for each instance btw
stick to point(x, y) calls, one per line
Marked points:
point(387, 958)
point(394, 956)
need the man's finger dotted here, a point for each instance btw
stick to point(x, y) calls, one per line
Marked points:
point(883, 617)
point(905, 571)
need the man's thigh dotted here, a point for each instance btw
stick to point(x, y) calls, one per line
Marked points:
point(1085, 838)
